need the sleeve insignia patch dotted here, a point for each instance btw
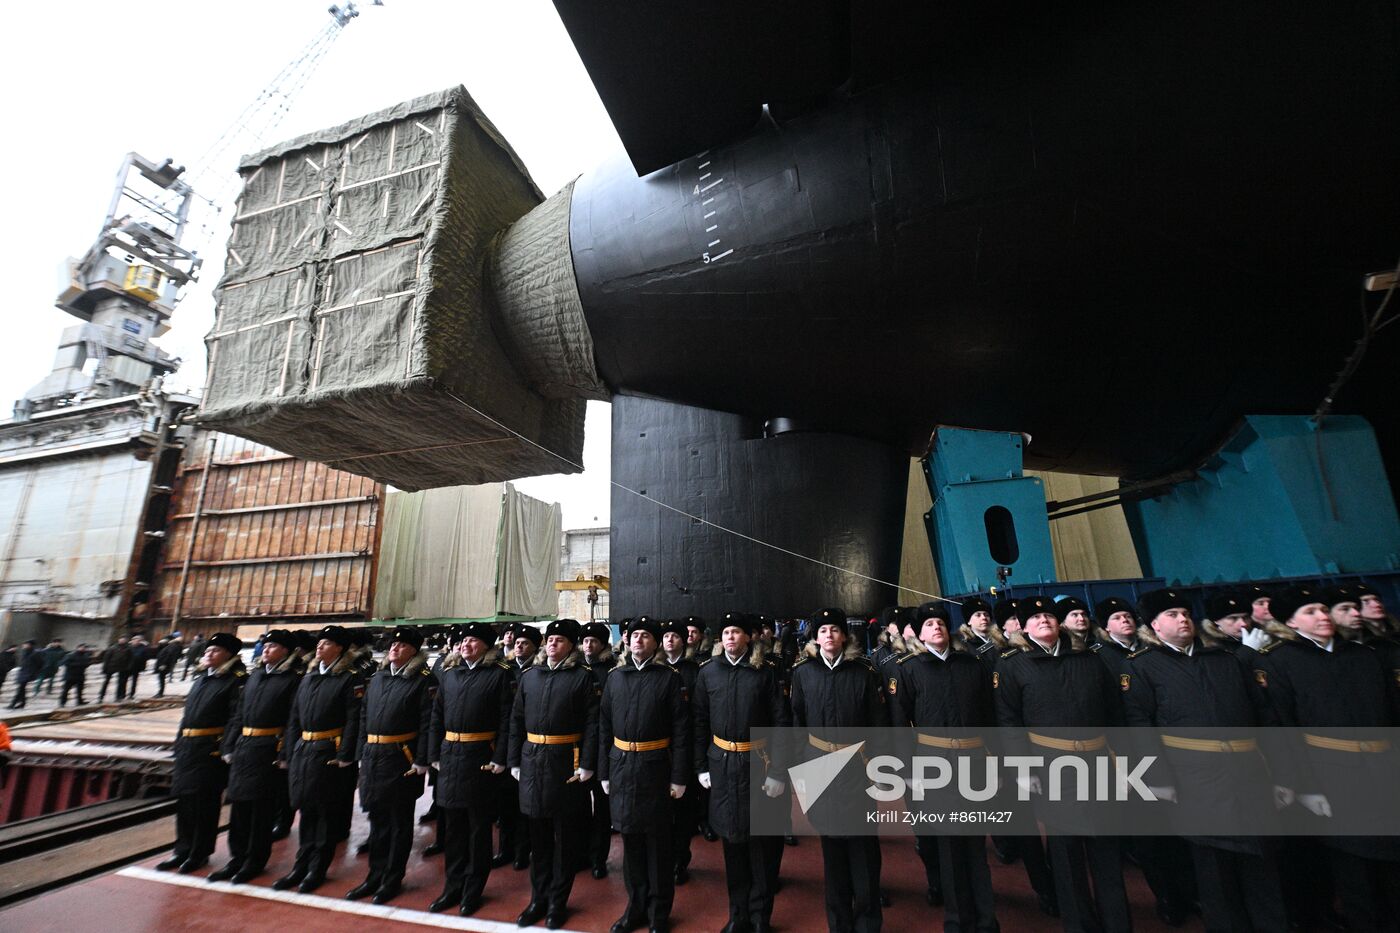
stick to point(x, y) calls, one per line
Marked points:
point(1261, 677)
point(996, 679)
point(894, 685)
point(1124, 681)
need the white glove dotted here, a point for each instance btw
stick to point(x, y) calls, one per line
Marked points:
point(282, 765)
point(420, 770)
point(435, 765)
point(1030, 784)
point(341, 764)
point(677, 791)
point(1283, 796)
point(1164, 793)
point(496, 769)
point(1255, 638)
point(583, 774)
point(705, 779)
point(607, 787)
point(515, 773)
point(1316, 804)
point(773, 787)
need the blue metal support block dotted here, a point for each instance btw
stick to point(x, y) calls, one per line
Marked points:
point(1282, 498)
point(986, 514)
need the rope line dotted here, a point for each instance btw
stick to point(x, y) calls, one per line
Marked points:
point(704, 521)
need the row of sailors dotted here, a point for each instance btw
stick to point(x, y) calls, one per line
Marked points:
point(640, 734)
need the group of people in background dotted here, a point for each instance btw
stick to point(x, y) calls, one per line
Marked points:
point(121, 665)
point(543, 741)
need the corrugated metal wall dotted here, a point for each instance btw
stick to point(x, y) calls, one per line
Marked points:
point(271, 537)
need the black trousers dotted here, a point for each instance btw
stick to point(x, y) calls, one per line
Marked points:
point(1368, 891)
point(250, 833)
point(466, 846)
point(968, 904)
point(76, 686)
point(316, 838)
point(599, 825)
point(1240, 893)
point(390, 839)
point(750, 873)
point(122, 678)
point(197, 823)
point(21, 694)
point(160, 683)
point(851, 865)
point(926, 848)
point(648, 874)
point(1167, 867)
point(555, 843)
point(1074, 860)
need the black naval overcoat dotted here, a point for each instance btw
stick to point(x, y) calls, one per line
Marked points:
point(323, 703)
point(645, 704)
point(730, 700)
point(212, 703)
point(266, 704)
point(558, 702)
point(471, 700)
point(395, 704)
point(1170, 693)
point(844, 698)
point(1069, 696)
point(1345, 689)
point(1113, 655)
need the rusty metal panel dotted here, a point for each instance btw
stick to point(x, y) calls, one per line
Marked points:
point(265, 535)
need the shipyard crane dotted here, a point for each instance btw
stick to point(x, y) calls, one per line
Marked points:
point(124, 288)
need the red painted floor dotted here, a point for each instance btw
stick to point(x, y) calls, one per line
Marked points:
point(116, 903)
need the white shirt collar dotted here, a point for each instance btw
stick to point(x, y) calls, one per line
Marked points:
point(830, 665)
point(269, 668)
point(1188, 650)
point(1121, 642)
point(1052, 650)
point(393, 671)
point(940, 655)
point(676, 659)
point(1324, 645)
point(471, 665)
point(641, 664)
point(735, 661)
point(322, 667)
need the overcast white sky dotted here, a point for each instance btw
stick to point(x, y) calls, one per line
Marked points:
point(89, 81)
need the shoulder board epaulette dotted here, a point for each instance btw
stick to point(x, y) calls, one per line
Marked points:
point(1269, 647)
point(503, 665)
point(1133, 654)
point(672, 669)
point(908, 657)
point(1009, 652)
point(240, 673)
point(867, 662)
point(425, 672)
point(799, 662)
point(1096, 646)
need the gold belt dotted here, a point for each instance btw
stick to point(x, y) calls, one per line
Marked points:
point(824, 745)
point(261, 733)
point(938, 741)
point(1068, 745)
point(729, 746)
point(391, 739)
point(470, 737)
point(323, 734)
point(1346, 745)
point(202, 733)
point(655, 745)
point(1210, 745)
point(571, 739)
